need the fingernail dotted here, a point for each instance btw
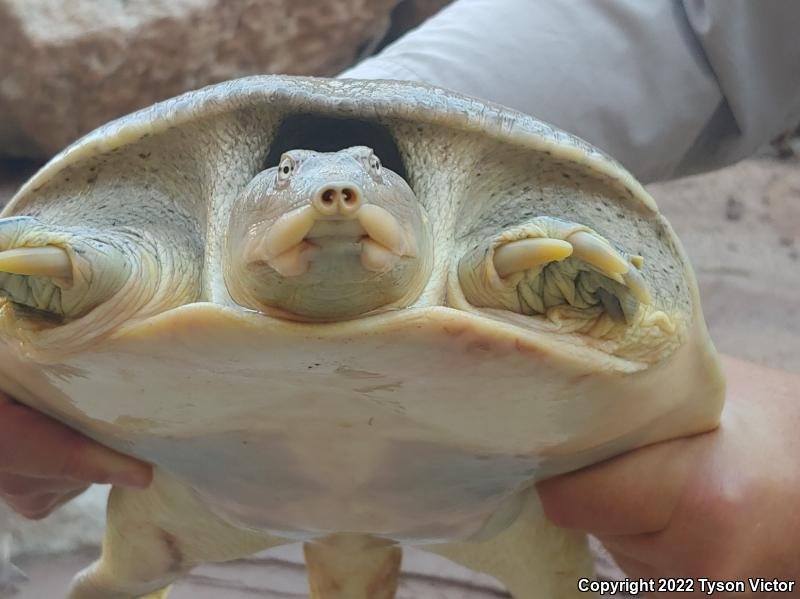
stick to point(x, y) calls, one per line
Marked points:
point(136, 479)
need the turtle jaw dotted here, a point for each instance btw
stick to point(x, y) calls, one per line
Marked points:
point(307, 265)
point(294, 240)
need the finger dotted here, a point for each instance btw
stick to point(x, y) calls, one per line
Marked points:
point(36, 507)
point(632, 494)
point(33, 507)
point(16, 485)
point(32, 444)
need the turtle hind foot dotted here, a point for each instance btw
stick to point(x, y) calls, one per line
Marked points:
point(531, 557)
point(103, 580)
point(162, 594)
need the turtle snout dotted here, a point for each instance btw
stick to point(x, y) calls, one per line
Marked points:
point(338, 199)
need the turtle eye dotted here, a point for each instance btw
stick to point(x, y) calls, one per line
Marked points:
point(286, 168)
point(374, 163)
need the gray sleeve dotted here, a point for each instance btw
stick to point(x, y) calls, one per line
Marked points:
point(667, 87)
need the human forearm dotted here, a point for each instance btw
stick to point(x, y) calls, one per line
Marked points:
point(665, 88)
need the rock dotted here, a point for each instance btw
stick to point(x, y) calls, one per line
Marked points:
point(68, 66)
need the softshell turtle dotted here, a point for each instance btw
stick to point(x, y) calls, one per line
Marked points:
point(355, 314)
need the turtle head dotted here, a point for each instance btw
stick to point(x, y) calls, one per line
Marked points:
point(327, 236)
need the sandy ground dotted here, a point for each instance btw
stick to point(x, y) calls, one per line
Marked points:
point(741, 229)
point(278, 574)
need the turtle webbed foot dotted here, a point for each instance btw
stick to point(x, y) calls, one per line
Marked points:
point(62, 272)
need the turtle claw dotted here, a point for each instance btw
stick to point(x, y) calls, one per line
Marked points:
point(636, 283)
point(524, 254)
point(47, 261)
point(596, 251)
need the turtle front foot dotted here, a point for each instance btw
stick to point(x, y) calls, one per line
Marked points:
point(60, 273)
point(549, 262)
point(571, 275)
point(82, 281)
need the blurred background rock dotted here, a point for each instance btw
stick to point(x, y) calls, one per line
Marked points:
point(68, 66)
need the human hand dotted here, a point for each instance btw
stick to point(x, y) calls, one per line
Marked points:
point(720, 506)
point(44, 464)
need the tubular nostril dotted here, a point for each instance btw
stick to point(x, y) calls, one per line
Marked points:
point(326, 201)
point(335, 199)
point(329, 197)
point(349, 195)
point(351, 199)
